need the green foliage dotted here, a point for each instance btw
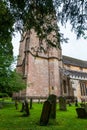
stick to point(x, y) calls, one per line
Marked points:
point(3, 95)
point(16, 82)
point(74, 11)
point(6, 22)
point(6, 29)
point(13, 82)
point(33, 14)
point(6, 48)
point(37, 14)
point(7, 76)
point(10, 81)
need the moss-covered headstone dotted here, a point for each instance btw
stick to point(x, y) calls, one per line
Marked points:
point(62, 103)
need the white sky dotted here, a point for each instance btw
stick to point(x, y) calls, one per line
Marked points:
point(74, 48)
point(16, 43)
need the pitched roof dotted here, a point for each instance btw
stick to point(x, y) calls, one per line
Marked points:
point(77, 73)
point(71, 73)
point(75, 62)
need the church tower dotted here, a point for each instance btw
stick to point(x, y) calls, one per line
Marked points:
point(39, 62)
point(40, 68)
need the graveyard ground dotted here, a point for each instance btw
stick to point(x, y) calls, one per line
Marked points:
point(12, 119)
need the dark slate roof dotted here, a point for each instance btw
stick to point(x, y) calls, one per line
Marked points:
point(75, 62)
point(76, 73)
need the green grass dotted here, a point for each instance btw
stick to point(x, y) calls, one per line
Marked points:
point(12, 119)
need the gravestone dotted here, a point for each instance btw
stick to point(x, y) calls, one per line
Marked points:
point(52, 100)
point(69, 103)
point(16, 104)
point(62, 103)
point(27, 113)
point(46, 110)
point(85, 107)
point(81, 113)
point(30, 103)
point(76, 103)
point(23, 107)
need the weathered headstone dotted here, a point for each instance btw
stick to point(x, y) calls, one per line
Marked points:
point(27, 113)
point(30, 103)
point(85, 107)
point(81, 113)
point(69, 103)
point(45, 113)
point(23, 106)
point(76, 103)
point(38, 100)
point(52, 100)
point(62, 103)
point(16, 104)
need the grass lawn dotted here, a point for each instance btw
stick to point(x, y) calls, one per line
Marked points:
point(12, 119)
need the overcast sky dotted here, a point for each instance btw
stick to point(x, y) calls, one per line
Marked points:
point(16, 43)
point(74, 48)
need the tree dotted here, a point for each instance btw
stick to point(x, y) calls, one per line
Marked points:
point(32, 13)
point(36, 14)
point(12, 82)
point(16, 82)
point(9, 80)
point(74, 11)
point(6, 22)
point(6, 53)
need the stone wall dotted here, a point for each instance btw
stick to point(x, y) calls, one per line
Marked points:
point(40, 67)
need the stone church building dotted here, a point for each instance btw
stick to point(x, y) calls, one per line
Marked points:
point(76, 71)
point(49, 72)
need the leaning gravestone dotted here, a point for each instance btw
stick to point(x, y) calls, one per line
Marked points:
point(52, 100)
point(62, 103)
point(45, 113)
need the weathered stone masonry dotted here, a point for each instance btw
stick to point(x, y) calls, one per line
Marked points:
point(40, 69)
